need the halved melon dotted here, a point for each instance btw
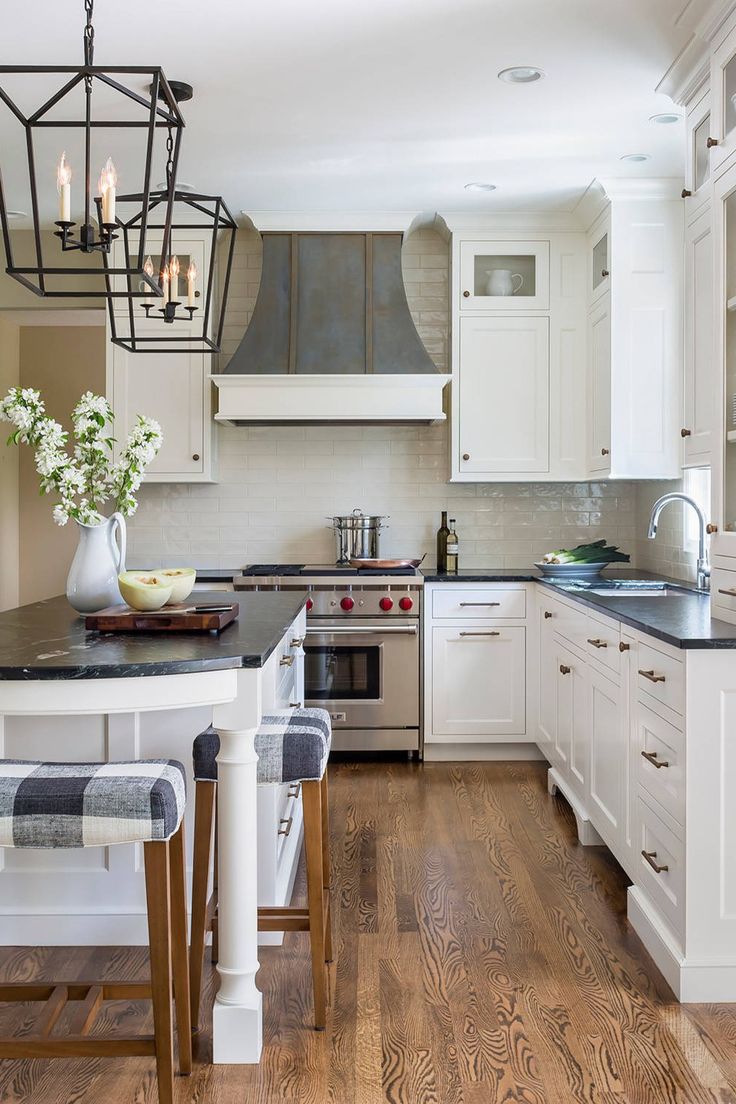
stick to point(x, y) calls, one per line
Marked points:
point(182, 580)
point(144, 590)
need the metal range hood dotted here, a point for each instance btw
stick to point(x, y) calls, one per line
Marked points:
point(331, 338)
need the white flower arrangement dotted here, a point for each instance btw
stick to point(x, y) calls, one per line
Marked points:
point(87, 478)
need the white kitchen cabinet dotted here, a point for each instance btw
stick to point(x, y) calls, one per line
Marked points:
point(478, 682)
point(503, 382)
point(174, 389)
point(608, 757)
point(547, 683)
point(723, 107)
point(571, 736)
point(644, 303)
point(700, 374)
point(697, 161)
point(504, 275)
point(723, 484)
point(599, 258)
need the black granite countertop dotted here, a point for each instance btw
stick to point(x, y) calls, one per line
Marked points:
point(48, 640)
point(482, 575)
point(204, 574)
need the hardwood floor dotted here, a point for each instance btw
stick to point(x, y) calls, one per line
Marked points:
point(482, 956)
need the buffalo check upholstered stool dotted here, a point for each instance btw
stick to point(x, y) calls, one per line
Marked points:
point(70, 805)
point(292, 747)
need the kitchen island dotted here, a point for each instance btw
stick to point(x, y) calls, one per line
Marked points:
point(55, 676)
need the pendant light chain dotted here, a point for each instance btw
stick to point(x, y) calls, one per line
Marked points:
point(89, 33)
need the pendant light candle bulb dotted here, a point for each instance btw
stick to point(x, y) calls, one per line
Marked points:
point(108, 184)
point(64, 188)
point(191, 284)
point(148, 269)
point(164, 280)
point(174, 274)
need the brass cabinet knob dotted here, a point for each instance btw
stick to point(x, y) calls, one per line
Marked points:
point(605, 452)
point(686, 433)
point(547, 614)
point(195, 456)
point(686, 193)
point(710, 142)
point(466, 294)
point(604, 273)
point(711, 528)
point(564, 670)
point(623, 647)
point(466, 456)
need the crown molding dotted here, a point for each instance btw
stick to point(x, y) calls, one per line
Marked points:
point(705, 21)
point(510, 221)
point(327, 221)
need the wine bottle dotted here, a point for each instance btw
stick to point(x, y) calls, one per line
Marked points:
point(452, 549)
point(442, 534)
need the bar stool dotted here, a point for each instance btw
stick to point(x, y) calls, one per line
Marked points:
point(71, 805)
point(292, 747)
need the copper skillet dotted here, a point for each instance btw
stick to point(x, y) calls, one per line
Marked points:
point(384, 565)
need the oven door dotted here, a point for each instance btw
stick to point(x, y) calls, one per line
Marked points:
point(365, 677)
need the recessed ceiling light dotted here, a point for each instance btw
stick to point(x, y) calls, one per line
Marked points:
point(478, 186)
point(636, 157)
point(180, 186)
point(665, 117)
point(521, 74)
point(13, 215)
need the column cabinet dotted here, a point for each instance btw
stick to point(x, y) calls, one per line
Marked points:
point(699, 356)
point(174, 388)
point(635, 249)
point(518, 353)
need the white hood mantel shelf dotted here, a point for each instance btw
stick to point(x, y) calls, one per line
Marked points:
point(332, 338)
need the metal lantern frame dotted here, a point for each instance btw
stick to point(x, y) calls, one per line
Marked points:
point(219, 221)
point(94, 236)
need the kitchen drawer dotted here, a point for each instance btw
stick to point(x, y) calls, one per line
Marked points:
point(602, 641)
point(723, 593)
point(286, 822)
point(567, 621)
point(661, 762)
point(664, 887)
point(465, 605)
point(660, 677)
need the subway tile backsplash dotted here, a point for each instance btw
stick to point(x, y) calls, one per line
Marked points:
point(278, 486)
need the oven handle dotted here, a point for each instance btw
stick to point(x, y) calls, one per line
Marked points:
point(378, 630)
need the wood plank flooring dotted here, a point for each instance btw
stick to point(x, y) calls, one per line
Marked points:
point(482, 956)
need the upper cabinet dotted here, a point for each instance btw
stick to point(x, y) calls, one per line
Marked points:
point(599, 279)
point(722, 138)
point(698, 154)
point(508, 275)
point(700, 374)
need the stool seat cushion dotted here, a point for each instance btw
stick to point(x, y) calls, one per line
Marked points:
point(291, 746)
point(69, 805)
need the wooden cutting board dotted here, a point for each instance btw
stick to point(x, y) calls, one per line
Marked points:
point(187, 617)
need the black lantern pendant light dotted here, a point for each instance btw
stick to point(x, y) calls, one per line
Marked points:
point(94, 99)
point(194, 318)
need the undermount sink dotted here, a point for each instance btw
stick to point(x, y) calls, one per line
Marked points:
point(636, 588)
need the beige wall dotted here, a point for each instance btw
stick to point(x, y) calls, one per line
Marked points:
point(9, 515)
point(14, 296)
point(62, 362)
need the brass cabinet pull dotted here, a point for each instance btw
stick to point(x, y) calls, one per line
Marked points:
point(565, 670)
point(651, 757)
point(711, 142)
point(598, 643)
point(296, 705)
point(686, 433)
point(480, 634)
point(650, 856)
point(605, 452)
point(294, 790)
point(297, 642)
point(711, 527)
point(479, 604)
point(651, 676)
point(730, 593)
point(623, 647)
point(288, 821)
point(685, 193)
point(287, 661)
point(547, 614)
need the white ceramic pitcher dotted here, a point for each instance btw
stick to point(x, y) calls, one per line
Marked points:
point(92, 584)
point(501, 281)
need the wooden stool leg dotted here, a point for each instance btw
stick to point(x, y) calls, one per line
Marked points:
point(312, 798)
point(326, 866)
point(158, 896)
point(205, 794)
point(215, 868)
point(180, 958)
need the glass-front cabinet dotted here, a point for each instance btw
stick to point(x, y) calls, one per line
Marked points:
point(723, 91)
point(724, 450)
point(504, 275)
point(698, 159)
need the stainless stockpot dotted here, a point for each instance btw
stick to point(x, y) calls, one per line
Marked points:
point(357, 535)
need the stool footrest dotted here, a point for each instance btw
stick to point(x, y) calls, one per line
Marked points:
point(78, 1046)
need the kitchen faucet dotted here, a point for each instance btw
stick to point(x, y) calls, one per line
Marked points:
point(703, 576)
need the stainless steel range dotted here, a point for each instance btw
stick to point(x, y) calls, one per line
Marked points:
point(362, 649)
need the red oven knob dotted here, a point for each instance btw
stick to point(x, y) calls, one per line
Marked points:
point(406, 603)
point(347, 603)
point(310, 604)
point(386, 604)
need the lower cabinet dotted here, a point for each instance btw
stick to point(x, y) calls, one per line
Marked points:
point(571, 737)
point(608, 739)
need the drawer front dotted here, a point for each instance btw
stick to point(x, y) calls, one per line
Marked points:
point(661, 869)
point(661, 762)
point(286, 820)
point(601, 643)
point(569, 623)
point(466, 605)
point(723, 593)
point(660, 676)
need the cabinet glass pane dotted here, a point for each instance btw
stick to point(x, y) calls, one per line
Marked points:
point(701, 154)
point(504, 275)
point(729, 467)
point(729, 93)
point(600, 261)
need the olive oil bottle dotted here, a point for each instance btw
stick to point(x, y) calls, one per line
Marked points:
point(452, 549)
point(442, 534)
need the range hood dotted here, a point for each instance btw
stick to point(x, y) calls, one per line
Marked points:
point(331, 338)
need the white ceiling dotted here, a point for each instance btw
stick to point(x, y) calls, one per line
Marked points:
point(379, 105)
